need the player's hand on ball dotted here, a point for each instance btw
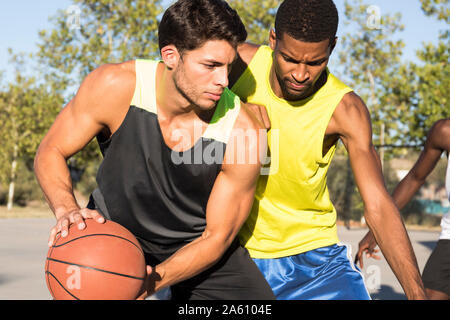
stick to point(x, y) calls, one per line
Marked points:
point(149, 284)
point(75, 217)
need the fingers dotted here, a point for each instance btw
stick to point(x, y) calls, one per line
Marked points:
point(359, 258)
point(76, 218)
point(371, 254)
point(94, 214)
point(143, 294)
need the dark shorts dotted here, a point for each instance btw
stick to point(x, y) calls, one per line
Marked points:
point(436, 274)
point(234, 277)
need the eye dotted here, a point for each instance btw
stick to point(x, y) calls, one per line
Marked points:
point(316, 63)
point(289, 60)
point(209, 66)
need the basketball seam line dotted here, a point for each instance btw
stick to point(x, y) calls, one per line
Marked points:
point(98, 234)
point(54, 277)
point(96, 269)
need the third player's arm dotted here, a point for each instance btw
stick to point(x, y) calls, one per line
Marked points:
point(411, 183)
point(351, 121)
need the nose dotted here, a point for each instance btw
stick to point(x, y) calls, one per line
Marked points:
point(221, 76)
point(301, 73)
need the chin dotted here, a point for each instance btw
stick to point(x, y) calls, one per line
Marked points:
point(207, 106)
point(297, 95)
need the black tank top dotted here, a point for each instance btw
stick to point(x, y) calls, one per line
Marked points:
point(158, 194)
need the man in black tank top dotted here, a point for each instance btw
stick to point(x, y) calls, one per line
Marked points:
point(181, 156)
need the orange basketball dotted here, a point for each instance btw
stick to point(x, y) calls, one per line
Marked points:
point(100, 262)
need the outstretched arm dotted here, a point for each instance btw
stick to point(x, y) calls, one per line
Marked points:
point(438, 140)
point(351, 122)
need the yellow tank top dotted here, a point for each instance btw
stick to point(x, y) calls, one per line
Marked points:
point(292, 212)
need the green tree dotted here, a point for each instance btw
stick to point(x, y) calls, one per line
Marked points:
point(432, 76)
point(91, 33)
point(258, 17)
point(371, 58)
point(27, 109)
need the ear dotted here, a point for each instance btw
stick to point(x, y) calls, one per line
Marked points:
point(171, 56)
point(272, 39)
point(333, 45)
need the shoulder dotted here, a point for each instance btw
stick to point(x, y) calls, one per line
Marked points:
point(247, 51)
point(441, 127)
point(352, 104)
point(439, 134)
point(117, 78)
point(245, 54)
point(109, 87)
point(247, 118)
point(351, 114)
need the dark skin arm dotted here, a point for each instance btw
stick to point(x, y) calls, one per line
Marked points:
point(246, 51)
point(351, 123)
point(437, 142)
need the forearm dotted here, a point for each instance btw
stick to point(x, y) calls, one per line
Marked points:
point(53, 175)
point(393, 240)
point(190, 260)
point(405, 190)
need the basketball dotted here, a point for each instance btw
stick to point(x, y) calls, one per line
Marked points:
point(100, 262)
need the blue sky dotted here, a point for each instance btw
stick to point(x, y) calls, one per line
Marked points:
point(20, 21)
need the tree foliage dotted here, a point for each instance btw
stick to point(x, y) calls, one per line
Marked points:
point(258, 17)
point(371, 58)
point(27, 110)
point(94, 32)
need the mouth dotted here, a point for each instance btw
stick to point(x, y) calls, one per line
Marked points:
point(296, 87)
point(214, 96)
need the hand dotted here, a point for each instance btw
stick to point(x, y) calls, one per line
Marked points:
point(260, 113)
point(148, 287)
point(75, 217)
point(367, 245)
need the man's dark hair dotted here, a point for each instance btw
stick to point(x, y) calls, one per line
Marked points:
point(188, 24)
point(307, 20)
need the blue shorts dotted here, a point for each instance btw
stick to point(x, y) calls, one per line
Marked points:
point(326, 273)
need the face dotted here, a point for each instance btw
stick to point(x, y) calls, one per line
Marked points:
point(201, 75)
point(297, 66)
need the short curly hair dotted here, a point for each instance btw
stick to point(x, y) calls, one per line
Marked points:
point(188, 24)
point(307, 20)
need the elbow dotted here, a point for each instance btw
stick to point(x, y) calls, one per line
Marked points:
point(219, 244)
point(37, 159)
point(383, 211)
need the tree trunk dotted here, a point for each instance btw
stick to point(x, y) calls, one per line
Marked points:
point(12, 178)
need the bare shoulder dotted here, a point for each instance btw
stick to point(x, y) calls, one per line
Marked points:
point(350, 114)
point(440, 134)
point(247, 119)
point(352, 104)
point(118, 79)
point(442, 127)
point(108, 87)
point(247, 51)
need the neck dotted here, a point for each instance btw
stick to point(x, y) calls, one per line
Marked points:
point(168, 97)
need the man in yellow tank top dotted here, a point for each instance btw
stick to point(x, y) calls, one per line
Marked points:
point(291, 232)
